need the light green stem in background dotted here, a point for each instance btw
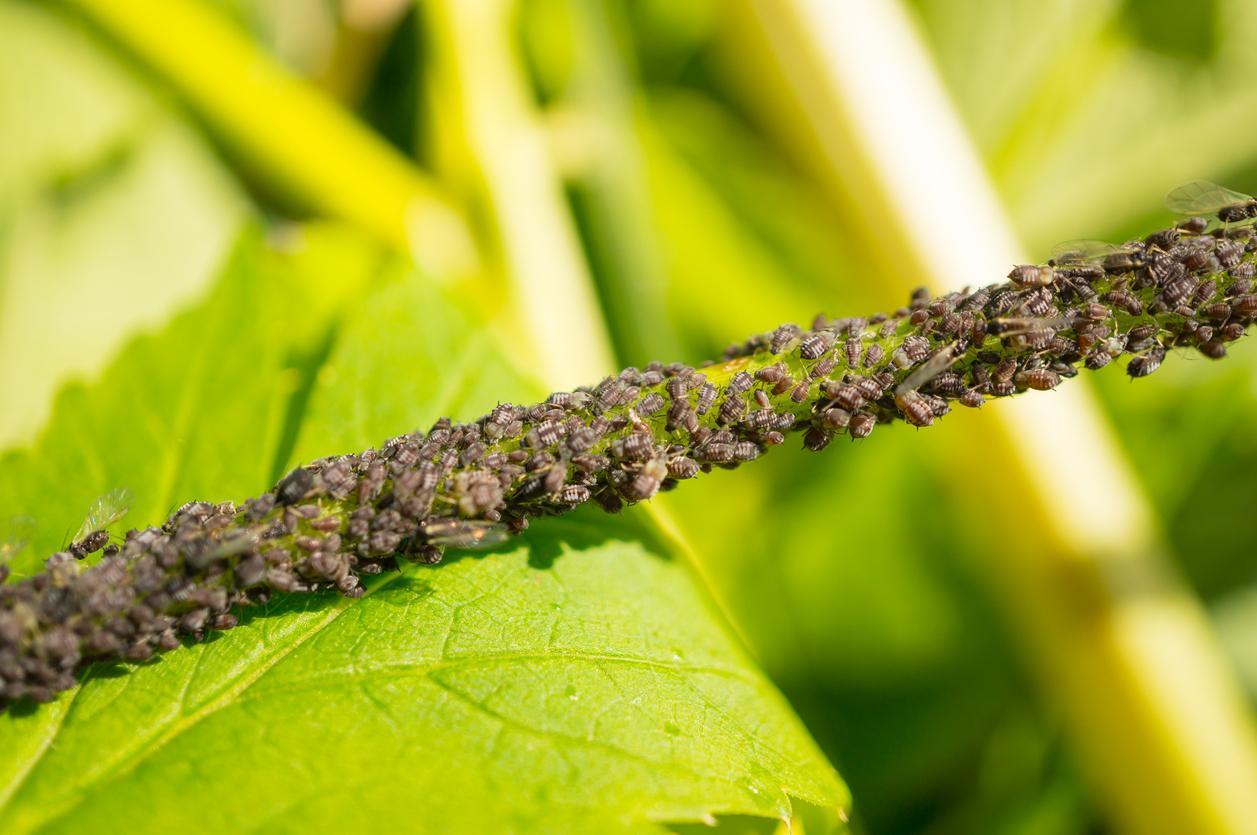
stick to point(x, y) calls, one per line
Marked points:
point(1146, 696)
point(505, 155)
point(495, 145)
point(297, 140)
point(599, 114)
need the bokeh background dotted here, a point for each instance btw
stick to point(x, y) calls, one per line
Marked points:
point(692, 172)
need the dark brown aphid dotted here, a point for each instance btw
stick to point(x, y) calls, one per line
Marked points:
point(1145, 364)
point(294, 487)
point(1214, 349)
point(89, 544)
point(971, 398)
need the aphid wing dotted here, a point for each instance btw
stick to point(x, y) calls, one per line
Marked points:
point(1202, 197)
point(106, 510)
point(470, 534)
point(1072, 252)
point(15, 534)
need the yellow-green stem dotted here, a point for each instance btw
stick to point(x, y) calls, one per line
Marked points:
point(302, 143)
point(1147, 699)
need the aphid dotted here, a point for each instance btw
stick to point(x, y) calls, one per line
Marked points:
point(1244, 305)
point(760, 421)
point(107, 509)
point(1179, 289)
point(771, 373)
point(636, 446)
point(1031, 275)
point(835, 418)
point(741, 382)
point(682, 467)
point(916, 410)
point(573, 494)
point(801, 392)
point(1201, 197)
point(816, 439)
point(822, 368)
point(917, 348)
point(762, 400)
point(861, 425)
point(706, 397)
point(1125, 300)
point(652, 403)
point(294, 487)
point(746, 450)
point(1231, 331)
point(1040, 379)
point(731, 410)
point(782, 336)
point(1036, 303)
point(581, 440)
point(464, 533)
point(1141, 337)
point(852, 349)
point(972, 398)
point(677, 387)
point(1145, 364)
point(875, 354)
point(815, 344)
point(1213, 348)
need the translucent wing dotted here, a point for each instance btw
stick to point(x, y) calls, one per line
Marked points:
point(1201, 197)
point(465, 533)
point(932, 367)
point(106, 510)
point(1083, 251)
point(15, 533)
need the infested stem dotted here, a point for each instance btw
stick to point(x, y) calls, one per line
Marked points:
point(620, 442)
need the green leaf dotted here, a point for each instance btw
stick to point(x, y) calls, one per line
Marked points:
point(113, 211)
point(576, 680)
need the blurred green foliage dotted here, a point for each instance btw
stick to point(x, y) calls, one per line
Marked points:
point(854, 576)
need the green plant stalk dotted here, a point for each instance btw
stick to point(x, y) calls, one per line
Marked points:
point(617, 443)
point(495, 145)
point(1147, 699)
point(297, 139)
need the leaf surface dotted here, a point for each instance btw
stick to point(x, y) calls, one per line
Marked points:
point(576, 679)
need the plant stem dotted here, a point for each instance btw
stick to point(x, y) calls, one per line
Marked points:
point(295, 138)
point(621, 442)
point(496, 147)
point(1146, 696)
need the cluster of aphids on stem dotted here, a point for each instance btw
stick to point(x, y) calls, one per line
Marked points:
point(621, 441)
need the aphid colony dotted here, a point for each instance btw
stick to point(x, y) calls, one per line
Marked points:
point(620, 442)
